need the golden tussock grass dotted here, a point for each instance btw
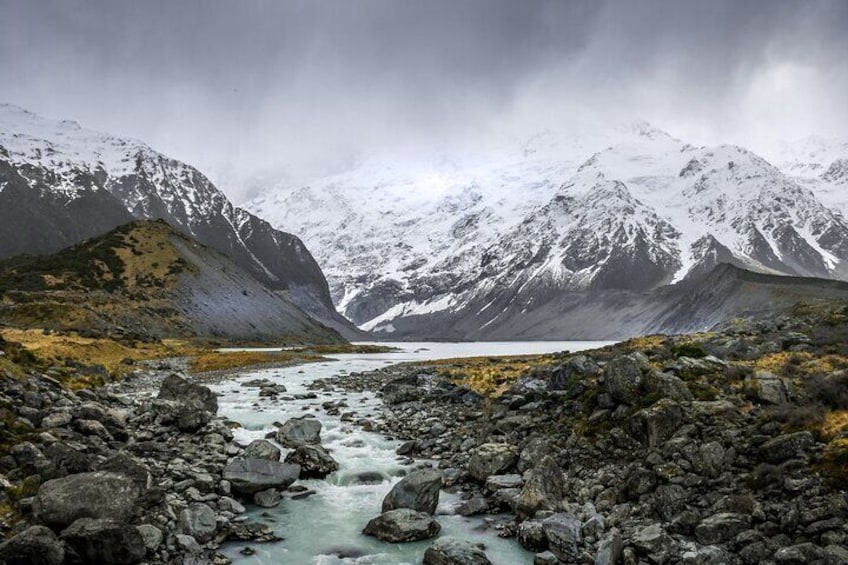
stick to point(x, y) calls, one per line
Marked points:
point(224, 361)
point(490, 376)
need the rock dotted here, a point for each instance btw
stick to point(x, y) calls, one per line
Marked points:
point(402, 525)
point(653, 540)
point(128, 466)
point(398, 393)
point(111, 419)
point(609, 550)
point(721, 527)
point(473, 506)
point(57, 419)
point(101, 494)
point(545, 558)
point(105, 541)
point(262, 449)
point(176, 388)
point(35, 545)
point(151, 535)
point(268, 498)
point(543, 489)
point(667, 385)
point(491, 459)
point(188, 405)
point(623, 377)
point(800, 554)
point(787, 446)
point(188, 544)
point(299, 431)
point(452, 551)
point(531, 535)
point(314, 461)
point(198, 521)
point(655, 424)
point(574, 371)
point(92, 428)
point(766, 388)
point(248, 476)
point(419, 491)
point(563, 534)
point(498, 482)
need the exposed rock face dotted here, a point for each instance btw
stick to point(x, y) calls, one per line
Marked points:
point(249, 476)
point(452, 551)
point(101, 494)
point(36, 545)
point(491, 459)
point(105, 541)
point(314, 461)
point(402, 525)
point(419, 491)
point(299, 431)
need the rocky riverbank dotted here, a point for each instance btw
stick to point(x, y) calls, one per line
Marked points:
point(132, 472)
point(725, 448)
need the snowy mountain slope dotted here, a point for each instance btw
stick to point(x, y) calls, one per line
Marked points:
point(60, 183)
point(627, 210)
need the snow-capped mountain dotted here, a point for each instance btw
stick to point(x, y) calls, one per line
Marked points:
point(627, 210)
point(60, 183)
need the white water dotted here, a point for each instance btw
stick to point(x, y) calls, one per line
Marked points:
point(333, 518)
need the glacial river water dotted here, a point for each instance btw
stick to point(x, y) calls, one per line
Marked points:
point(319, 528)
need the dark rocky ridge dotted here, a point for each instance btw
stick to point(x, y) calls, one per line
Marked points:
point(147, 280)
point(695, 304)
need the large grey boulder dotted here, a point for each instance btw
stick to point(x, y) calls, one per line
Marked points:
point(452, 551)
point(402, 525)
point(570, 374)
point(657, 423)
point(419, 491)
point(36, 545)
point(105, 541)
point(248, 476)
point(721, 527)
point(299, 431)
point(491, 459)
point(314, 461)
point(787, 446)
point(623, 377)
point(101, 494)
point(198, 521)
point(543, 489)
point(262, 449)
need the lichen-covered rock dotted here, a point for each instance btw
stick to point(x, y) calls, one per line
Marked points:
point(491, 459)
point(248, 476)
point(623, 377)
point(299, 431)
point(543, 489)
point(105, 541)
point(262, 449)
point(314, 461)
point(198, 521)
point(36, 545)
point(452, 551)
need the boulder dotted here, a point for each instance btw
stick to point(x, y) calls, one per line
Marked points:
point(721, 527)
point(623, 377)
point(198, 521)
point(609, 550)
point(299, 431)
point(543, 489)
point(666, 385)
point(397, 393)
point(419, 491)
point(114, 421)
point(128, 466)
point(787, 446)
point(262, 449)
point(269, 498)
point(179, 389)
point(452, 551)
point(653, 540)
point(568, 375)
point(36, 545)
point(402, 525)
point(151, 535)
point(101, 494)
point(500, 482)
point(491, 459)
point(314, 461)
point(105, 541)
point(248, 476)
point(767, 388)
point(563, 534)
point(655, 424)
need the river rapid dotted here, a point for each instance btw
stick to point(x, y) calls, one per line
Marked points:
point(325, 528)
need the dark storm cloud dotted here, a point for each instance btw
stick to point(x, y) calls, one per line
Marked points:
point(257, 84)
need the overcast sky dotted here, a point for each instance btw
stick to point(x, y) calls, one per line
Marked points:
point(250, 85)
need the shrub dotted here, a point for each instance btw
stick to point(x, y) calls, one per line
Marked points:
point(689, 349)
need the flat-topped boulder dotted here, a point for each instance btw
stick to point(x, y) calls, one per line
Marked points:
point(250, 475)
